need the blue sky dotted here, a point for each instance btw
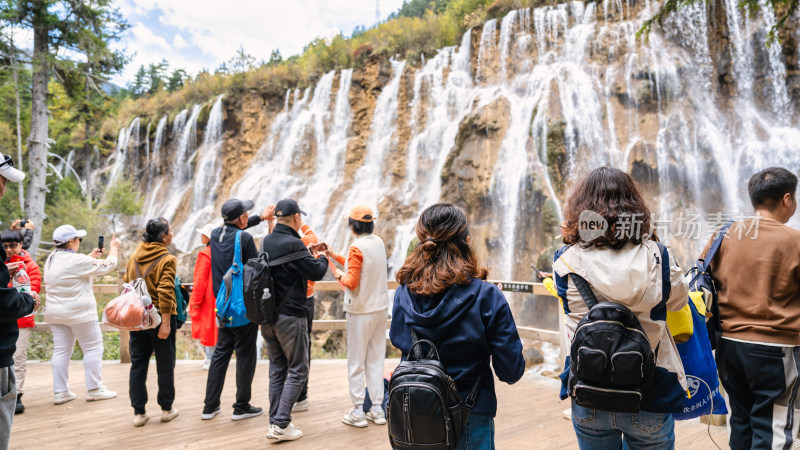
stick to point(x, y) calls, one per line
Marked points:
point(197, 34)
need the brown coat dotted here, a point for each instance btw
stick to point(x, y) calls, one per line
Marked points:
point(757, 275)
point(161, 280)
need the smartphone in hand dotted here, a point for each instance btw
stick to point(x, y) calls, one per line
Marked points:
point(100, 242)
point(318, 248)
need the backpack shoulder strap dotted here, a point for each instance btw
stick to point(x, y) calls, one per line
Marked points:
point(583, 288)
point(712, 251)
point(666, 283)
point(289, 258)
point(473, 393)
point(149, 269)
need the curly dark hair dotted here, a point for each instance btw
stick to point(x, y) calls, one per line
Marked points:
point(613, 195)
point(443, 257)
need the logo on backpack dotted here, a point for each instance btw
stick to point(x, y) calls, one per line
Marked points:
point(611, 360)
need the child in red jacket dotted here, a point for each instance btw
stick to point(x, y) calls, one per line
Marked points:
point(12, 243)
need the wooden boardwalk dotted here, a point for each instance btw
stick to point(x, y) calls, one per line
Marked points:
point(529, 415)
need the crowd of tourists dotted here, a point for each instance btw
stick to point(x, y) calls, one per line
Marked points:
point(449, 323)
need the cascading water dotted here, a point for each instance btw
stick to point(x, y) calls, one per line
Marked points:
point(581, 91)
point(207, 177)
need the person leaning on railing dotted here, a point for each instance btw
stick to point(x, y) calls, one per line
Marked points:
point(71, 311)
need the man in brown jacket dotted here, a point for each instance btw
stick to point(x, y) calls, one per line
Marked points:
point(757, 275)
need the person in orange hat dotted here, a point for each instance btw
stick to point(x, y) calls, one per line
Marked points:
point(366, 304)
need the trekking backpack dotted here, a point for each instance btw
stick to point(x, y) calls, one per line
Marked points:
point(611, 360)
point(230, 311)
point(259, 288)
point(181, 301)
point(701, 284)
point(425, 409)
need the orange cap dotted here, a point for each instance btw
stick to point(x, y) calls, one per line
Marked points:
point(362, 213)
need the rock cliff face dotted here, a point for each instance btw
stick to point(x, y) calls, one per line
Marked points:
point(503, 125)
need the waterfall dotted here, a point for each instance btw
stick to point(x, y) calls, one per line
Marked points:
point(207, 178)
point(580, 91)
point(122, 158)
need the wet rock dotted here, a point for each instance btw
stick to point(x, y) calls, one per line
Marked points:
point(533, 357)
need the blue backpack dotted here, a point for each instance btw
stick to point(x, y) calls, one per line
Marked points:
point(230, 309)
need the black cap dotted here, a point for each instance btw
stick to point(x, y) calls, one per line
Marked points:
point(287, 207)
point(233, 208)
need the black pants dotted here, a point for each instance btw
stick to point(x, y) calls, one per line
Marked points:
point(762, 384)
point(310, 317)
point(243, 341)
point(142, 345)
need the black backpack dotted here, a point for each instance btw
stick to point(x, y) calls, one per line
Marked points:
point(611, 360)
point(425, 409)
point(700, 280)
point(259, 290)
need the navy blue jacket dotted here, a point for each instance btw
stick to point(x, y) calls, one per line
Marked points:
point(469, 324)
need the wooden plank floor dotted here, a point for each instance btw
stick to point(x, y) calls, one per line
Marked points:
point(529, 415)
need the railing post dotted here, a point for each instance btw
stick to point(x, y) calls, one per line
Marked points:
point(124, 337)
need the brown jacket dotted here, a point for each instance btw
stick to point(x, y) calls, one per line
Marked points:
point(161, 280)
point(757, 274)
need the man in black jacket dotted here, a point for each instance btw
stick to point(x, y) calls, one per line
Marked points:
point(242, 339)
point(13, 305)
point(287, 339)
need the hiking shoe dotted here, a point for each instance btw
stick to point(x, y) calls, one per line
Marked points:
point(377, 417)
point(63, 397)
point(166, 416)
point(300, 406)
point(100, 393)
point(290, 433)
point(246, 413)
point(355, 419)
point(209, 413)
point(140, 419)
point(206, 364)
point(19, 408)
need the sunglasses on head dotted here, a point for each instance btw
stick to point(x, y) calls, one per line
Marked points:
point(7, 161)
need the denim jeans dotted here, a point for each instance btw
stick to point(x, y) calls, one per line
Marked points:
point(604, 430)
point(479, 434)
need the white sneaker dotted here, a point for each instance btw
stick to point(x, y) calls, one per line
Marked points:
point(300, 406)
point(166, 416)
point(290, 433)
point(355, 419)
point(206, 364)
point(378, 417)
point(140, 419)
point(63, 397)
point(101, 393)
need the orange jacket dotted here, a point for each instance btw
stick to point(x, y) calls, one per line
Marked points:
point(36, 283)
point(203, 301)
point(308, 237)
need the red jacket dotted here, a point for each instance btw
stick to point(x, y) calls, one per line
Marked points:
point(203, 301)
point(36, 282)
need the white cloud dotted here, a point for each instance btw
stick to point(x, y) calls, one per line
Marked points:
point(204, 33)
point(179, 42)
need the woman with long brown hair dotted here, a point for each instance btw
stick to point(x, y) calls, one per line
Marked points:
point(443, 297)
point(612, 250)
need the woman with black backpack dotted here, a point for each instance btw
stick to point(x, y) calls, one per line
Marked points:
point(616, 282)
point(443, 298)
point(153, 262)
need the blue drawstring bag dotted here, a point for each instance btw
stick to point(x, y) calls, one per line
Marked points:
point(231, 311)
point(701, 372)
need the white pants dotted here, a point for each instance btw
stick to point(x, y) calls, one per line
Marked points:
point(366, 353)
point(21, 357)
point(91, 340)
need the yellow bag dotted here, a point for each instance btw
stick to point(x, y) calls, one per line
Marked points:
point(680, 322)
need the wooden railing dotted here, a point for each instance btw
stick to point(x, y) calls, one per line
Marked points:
point(537, 334)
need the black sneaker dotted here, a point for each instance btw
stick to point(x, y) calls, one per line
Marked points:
point(210, 413)
point(20, 408)
point(246, 413)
